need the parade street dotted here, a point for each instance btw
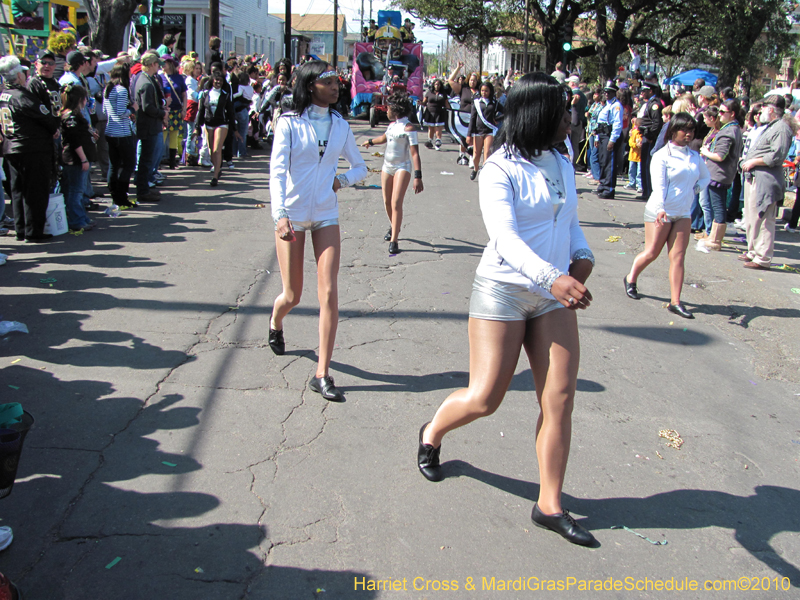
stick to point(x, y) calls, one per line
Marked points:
point(175, 456)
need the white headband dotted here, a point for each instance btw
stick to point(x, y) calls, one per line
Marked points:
point(327, 74)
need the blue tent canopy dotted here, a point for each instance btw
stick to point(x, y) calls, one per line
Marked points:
point(689, 77)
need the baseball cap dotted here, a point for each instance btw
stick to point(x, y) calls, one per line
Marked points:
point(75, 59)
point(707, 91)
point(45, 53)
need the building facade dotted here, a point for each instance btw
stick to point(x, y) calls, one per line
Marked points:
point(245, 27)
point(319, 28)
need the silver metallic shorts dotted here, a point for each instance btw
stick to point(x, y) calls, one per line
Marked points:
point(392, 169)
point(650, 216)
point(495, 301)
point(312, 225)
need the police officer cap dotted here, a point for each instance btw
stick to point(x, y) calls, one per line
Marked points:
point(649, 85)
point(45, 53)
point(610, 87)
point(10, 66)
point(650, 76)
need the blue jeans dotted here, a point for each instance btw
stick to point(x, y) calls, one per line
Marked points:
point(191, 143)
point(697, 213)
point(242, 121)
point(72, 185)
point(718, 199)
point(594, 163)
point(634, 175)
point(708, 211)
point(148, 154)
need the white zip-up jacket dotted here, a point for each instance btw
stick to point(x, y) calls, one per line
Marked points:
point(301, 182)
point(529, 245)
point(676, 175)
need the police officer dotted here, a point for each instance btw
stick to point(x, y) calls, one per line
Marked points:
point(609, 130)
point(28, 127)
point(650, 125)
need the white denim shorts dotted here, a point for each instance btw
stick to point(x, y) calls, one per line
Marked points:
point(496, 301)
point(650, 216)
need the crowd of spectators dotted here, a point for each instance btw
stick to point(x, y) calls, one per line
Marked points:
point(83, 124)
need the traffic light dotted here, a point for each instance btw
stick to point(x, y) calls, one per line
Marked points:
point(143, 9)
point(156, 11)
point(565, 33)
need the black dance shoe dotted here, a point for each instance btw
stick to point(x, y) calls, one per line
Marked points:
point(428, 459)
point(630, 289)
point(473, 175)
point(564, 525)
point(276, 341)
point(324, 385)
point(680, 310)
point(394, 248)
point(388, 236)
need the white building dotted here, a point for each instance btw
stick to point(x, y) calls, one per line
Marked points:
point(499, 59)
point(245, 26)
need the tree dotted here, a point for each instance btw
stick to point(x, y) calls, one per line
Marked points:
point(108, 20)
point(472, 22)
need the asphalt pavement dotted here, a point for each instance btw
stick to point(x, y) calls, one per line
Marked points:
point(175, 456)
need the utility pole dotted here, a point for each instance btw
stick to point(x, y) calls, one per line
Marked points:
point(287, 35)
point(370, 10)
point(335, 32)
point(525, 59)
point(361, 31)
point(213, 8)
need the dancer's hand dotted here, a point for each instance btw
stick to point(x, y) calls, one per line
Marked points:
point(661, 218)
point(337, 185)
point(417, 186)
point(284, 230)
point(571, 293)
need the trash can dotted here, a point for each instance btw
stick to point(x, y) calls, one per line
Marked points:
point(11, 439)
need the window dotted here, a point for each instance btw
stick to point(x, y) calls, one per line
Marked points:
point(272, 52)
point(247, 45)
point(227, 41)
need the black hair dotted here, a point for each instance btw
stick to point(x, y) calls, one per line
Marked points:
point(735, 108)
point(305, 75)
point(253, 69)
point(71, 97)
point(168, 39)
point(400, 103)
point(441, 85)
point(285, 64)
point(681, 121)
point(217, 66)
point(491, 90)
point(244, 78)
point(534, 109)
point(120, 75)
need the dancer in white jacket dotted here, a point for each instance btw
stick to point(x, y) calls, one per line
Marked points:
point(677, 173)
point(526, 292)
point(303, 183)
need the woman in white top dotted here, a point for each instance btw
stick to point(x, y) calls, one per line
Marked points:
point(677, 173)
point(402, 149)
point(303, 183)
point(535, 265)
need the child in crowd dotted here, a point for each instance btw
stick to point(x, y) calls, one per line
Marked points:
point(402, 148)
point(635, 157)
point(78, 151)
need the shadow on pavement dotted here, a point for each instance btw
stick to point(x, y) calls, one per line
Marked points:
point(754, 519)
